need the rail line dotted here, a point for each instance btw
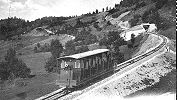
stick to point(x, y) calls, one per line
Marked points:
point(63, 92)
point(54, 95)
point(136, 59)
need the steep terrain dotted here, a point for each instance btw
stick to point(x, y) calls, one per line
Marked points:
point(149, 75)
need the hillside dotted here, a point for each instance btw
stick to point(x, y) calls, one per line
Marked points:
point(88, 32)
point(150, 77)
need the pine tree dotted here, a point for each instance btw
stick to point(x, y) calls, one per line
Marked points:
point(103, 10)
point(96, 11)
point(107, 8)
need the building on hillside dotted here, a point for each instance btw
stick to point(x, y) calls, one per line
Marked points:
point(124, 25)
point(137, 30)
point(150, 27)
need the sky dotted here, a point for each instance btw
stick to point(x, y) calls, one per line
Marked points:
point(33, 9)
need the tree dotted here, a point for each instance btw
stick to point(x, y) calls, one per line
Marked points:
point(107, 8)
point(13, 67)
point(145, 16)
point(93, 12)
point(35, 49)
point(56, 48)
point(113, 42)
point(96, 11)
point(152, 16)
point(104, 42)
point(38, 45)
point(70, 48)
point(103, 10)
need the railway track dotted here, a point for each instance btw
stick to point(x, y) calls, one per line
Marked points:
point(55, 95)
point(136, 59)
point(63, 92)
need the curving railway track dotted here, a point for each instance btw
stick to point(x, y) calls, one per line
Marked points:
point(136, 59)
point(63, 92)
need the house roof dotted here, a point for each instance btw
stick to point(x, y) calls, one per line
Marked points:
point(85, 54)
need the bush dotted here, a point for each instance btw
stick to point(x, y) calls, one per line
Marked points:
point(51, 65)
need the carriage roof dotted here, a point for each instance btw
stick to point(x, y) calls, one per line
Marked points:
point(85, 54)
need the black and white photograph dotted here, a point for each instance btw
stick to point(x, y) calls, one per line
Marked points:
point(87, 49)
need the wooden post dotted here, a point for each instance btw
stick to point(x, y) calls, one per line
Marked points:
point(58, 68)
point(102, 64)
point(90, 74)
point(84, 69)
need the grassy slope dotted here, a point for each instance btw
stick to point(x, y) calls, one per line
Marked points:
point(36, 87)
point(19, 44)
point(36, 61)
point(42, 83)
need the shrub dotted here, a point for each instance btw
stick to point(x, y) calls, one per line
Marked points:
point(51, 64)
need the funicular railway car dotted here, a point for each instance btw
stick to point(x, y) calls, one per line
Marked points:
point(81, 68)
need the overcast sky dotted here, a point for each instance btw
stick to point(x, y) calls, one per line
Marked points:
point(33, 9)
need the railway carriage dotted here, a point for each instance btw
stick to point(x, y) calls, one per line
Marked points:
point(82, 68)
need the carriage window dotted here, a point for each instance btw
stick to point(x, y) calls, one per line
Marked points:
point(87, 64)
point(62, 64)
point(94, 62)
point(77, 64)
point(90, 62)
point(81, 64)
point(104, 57)
point(100, 60)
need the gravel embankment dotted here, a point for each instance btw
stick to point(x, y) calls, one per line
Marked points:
point(145, 76)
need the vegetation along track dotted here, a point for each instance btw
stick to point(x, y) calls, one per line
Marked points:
point(63, 92)
point(136, 59)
